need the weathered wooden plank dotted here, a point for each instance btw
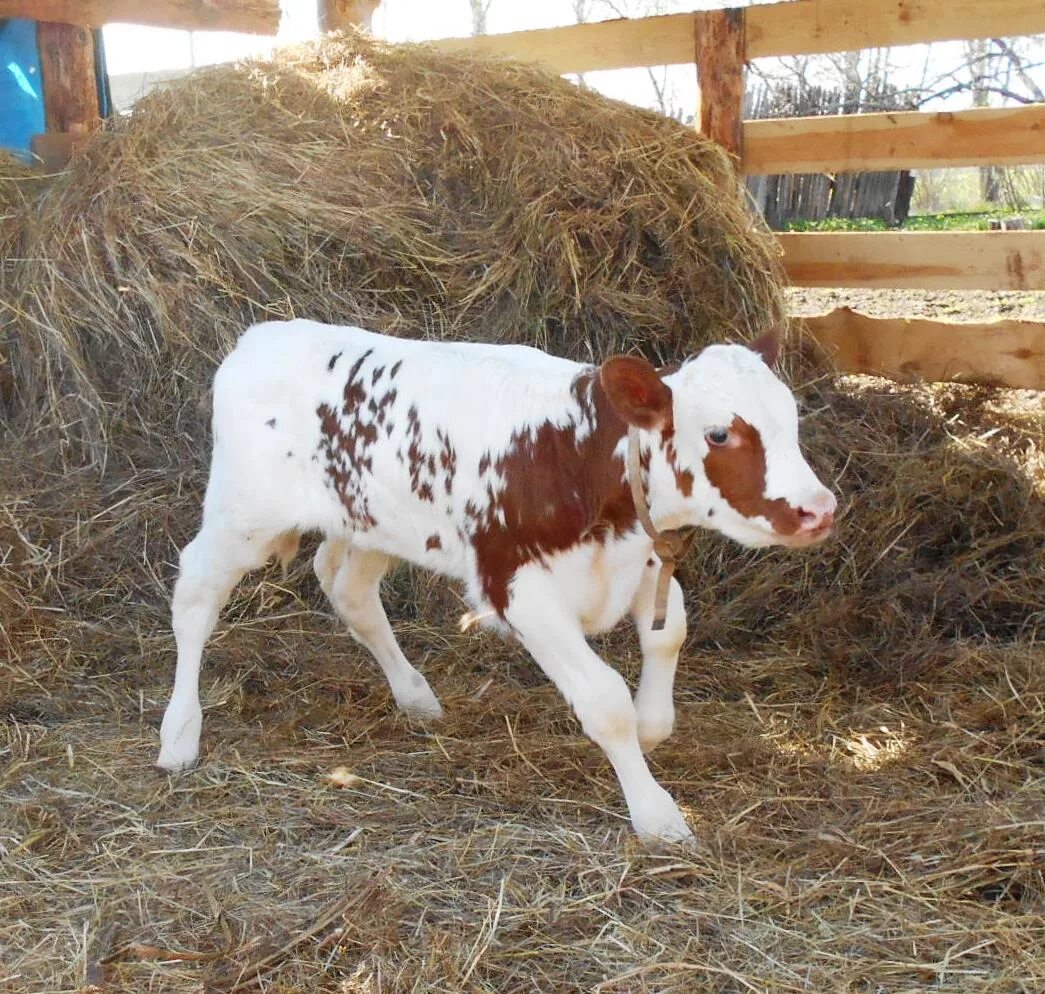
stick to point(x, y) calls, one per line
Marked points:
point(1002, 353)
point(1004, 136)
point(70, 83)
point(620, 44)
point(250, 16)
point(720, 77)
point(337, 15)
point(793, 27)
point(805, 27)
point(951, 260)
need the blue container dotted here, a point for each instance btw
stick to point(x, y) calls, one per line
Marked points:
point(21, 88)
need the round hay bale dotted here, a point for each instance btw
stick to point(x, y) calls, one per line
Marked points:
point(394, 186)
point(424, 194)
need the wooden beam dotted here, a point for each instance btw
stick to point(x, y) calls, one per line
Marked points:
point(620, 44)
point(251, 16)
point(794, 27)
point(337, 15)
point(999, 353)
point(70, 83)
point(806, 27)
point(1006, 136)
point(950, 260)
point(720, 77)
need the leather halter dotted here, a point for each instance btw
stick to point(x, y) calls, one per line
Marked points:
point(669, 546)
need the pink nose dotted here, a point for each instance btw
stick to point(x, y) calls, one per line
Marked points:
point(818, 517)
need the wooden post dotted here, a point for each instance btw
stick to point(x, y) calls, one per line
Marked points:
point(336, 15)
point(720, 55)
point(70, 84)
point(70, 90)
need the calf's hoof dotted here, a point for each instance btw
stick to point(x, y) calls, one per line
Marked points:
point(660, 821)
point(172, 763)
point(422, 704)
point(180, 741)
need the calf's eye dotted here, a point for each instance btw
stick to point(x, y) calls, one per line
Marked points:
point(717, 436)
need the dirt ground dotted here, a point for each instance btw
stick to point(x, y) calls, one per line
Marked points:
point(948, 305)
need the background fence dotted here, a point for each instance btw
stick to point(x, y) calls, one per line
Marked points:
point(884, 194)
point(720, 42)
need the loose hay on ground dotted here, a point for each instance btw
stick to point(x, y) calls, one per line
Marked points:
point(860, 730)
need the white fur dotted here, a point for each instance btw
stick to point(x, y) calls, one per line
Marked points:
point(265, 483)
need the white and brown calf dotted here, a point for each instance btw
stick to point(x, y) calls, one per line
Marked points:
point(505, 468)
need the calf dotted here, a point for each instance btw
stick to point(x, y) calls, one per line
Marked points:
point(507, 469)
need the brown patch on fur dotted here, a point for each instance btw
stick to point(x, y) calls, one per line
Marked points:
point(345, 442)
point(738, 471)
point(558, 493)
point(683, 477)
point(433, 542)
point(447, 461)
point(426, 467)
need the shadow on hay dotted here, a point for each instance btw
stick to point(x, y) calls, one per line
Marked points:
point(445, 196)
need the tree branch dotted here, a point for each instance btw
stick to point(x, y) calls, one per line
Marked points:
point(1016, 61)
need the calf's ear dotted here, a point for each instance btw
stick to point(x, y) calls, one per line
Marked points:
point(767, 345)
point(636, 392)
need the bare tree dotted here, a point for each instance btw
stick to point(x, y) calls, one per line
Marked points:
point(667, 99)
point(581, 13)
point(581, 10)
point(1018, 63)
point(978, 58)
point(480, 8)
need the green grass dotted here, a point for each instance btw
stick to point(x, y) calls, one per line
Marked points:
point(947, 221)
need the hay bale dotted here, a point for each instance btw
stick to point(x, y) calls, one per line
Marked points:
point(939, 543)
point(356, 181)
point(426, 194)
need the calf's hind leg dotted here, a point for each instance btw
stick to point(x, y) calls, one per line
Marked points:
point(351, 579)
point(210, 567)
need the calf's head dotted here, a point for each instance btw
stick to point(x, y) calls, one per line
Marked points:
point(724, 445)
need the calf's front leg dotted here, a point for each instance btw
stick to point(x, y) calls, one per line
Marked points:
point(600, 699)
point(654, 700)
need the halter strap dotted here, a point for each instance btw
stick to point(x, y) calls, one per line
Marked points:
point(669, 546)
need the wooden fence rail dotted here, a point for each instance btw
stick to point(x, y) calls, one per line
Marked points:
point(1005, 136)
point(250, 16)
point(794, 27)
point(917, 260)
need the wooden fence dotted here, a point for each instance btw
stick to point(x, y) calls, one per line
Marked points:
point(781, 199)
point(719, 43)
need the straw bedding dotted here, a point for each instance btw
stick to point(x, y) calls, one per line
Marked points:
point(860, 729)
